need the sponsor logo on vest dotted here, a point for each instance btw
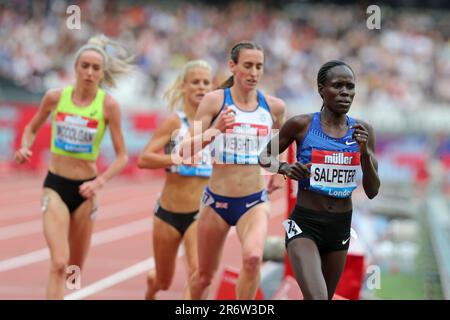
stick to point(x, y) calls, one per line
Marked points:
point(76, 120)
point(338, 158)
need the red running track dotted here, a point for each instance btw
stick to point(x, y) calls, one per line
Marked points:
point(121, 252)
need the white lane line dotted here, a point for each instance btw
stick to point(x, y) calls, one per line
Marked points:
point(20, 229)
point(116, 278)
point(98, 238)
point(105, 212)
point(24, 260)
point(113, 279)
point(137, 269)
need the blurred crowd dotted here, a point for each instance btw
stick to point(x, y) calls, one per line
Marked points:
point(405, 64)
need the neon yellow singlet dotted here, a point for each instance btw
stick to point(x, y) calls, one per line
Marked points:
point(78, 131)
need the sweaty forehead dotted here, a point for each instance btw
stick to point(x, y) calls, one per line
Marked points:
point(340, 73)
point(251, 55)
point(91, 56)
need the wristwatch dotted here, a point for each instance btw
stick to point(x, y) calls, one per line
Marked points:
point(279, 167)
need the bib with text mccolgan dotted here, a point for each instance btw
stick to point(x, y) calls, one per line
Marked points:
point(78, 132)
point(75, 133)
point(335, 162)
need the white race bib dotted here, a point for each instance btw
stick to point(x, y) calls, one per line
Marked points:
point(75, 133)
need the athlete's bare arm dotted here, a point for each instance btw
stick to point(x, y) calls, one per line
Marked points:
point(47, 105)
point(278, 110)
point(365, 136)
point(113, 119)
point(203, 131)
point(151, 157)
point(293, 130)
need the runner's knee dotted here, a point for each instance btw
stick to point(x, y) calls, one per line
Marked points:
point(59, 265)
point(252, 263)
point(204, 279)
point(164, 284)
point(191, 271)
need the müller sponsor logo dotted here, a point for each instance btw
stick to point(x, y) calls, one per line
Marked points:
point(248, 129)
point(76, 120)
point(338, 158)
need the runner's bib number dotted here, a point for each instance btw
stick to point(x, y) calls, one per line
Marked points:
point(243, 142)
point(75, 133)
point(334, 173)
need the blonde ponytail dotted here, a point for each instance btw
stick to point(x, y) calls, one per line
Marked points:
point(116, 59)
point(173, 94)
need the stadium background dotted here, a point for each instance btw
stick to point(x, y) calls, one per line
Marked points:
point(403, 80)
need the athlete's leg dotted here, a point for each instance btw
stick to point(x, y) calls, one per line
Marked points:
point(190, 248)
point(166, 240)
point(333, 264)
point(306, 264)
point(252, 231)
point(212, 230)
point(80, 233)
point(56, 220)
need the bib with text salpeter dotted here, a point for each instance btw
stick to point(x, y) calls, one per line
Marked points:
point(333, 173)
